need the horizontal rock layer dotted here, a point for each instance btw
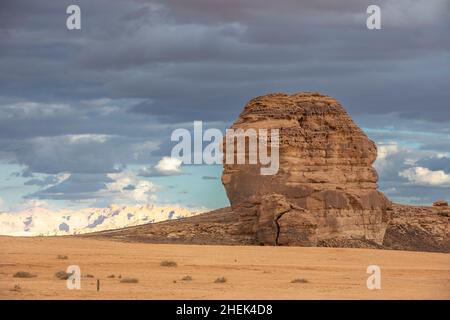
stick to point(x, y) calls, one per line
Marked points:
point(326, 187)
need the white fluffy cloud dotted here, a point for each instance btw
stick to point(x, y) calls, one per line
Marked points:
point(411, 175)
point(127, 188)
point(425, 176)
point(33, 110)
point(167, 166)
point(386, 149)
point(383, 152)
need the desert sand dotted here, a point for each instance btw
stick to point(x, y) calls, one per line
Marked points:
point(252, 272)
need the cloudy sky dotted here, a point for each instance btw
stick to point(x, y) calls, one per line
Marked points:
point(86, 115)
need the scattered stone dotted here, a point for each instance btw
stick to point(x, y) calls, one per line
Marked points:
point(440, 203)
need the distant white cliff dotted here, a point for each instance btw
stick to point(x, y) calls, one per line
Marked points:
point(44, 222)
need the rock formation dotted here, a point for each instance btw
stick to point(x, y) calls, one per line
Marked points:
point(326, 187)
point(418, 228)
point(324, 194)
point(440, 203)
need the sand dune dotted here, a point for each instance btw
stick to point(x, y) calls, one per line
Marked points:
point(252, 272)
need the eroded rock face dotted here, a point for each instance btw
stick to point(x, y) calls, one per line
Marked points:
point(419, 228)
point(326, 187)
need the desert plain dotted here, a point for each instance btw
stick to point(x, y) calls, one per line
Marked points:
point(251, 272)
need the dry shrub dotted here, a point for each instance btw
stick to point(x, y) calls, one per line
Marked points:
point(129, 280)
point(299, 280)
point(168, 263)
point(24, 274)
point(220, 280)
point(62, 275)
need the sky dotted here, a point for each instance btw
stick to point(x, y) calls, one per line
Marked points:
point(86, 115)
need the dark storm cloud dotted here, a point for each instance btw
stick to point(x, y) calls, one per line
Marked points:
point(441, 163)
point(93, 100)
point(442, 145)
point(414, 194)
point(42, 182)
point(76, 187)
point(25, 173)
point(429, 139)
point(89, 137)
point(80, 154)
point(205, 57)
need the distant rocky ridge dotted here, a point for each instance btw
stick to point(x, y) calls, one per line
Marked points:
point(45, 222)
point(325, 193)
point(413, 228)
point(419, 228)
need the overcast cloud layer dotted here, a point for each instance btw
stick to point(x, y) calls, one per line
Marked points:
point(80, 107)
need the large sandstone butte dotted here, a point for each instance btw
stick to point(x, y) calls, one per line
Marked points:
point(326, 187)
point(324, 194)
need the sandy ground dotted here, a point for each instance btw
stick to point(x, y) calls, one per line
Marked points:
point(251, 272)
